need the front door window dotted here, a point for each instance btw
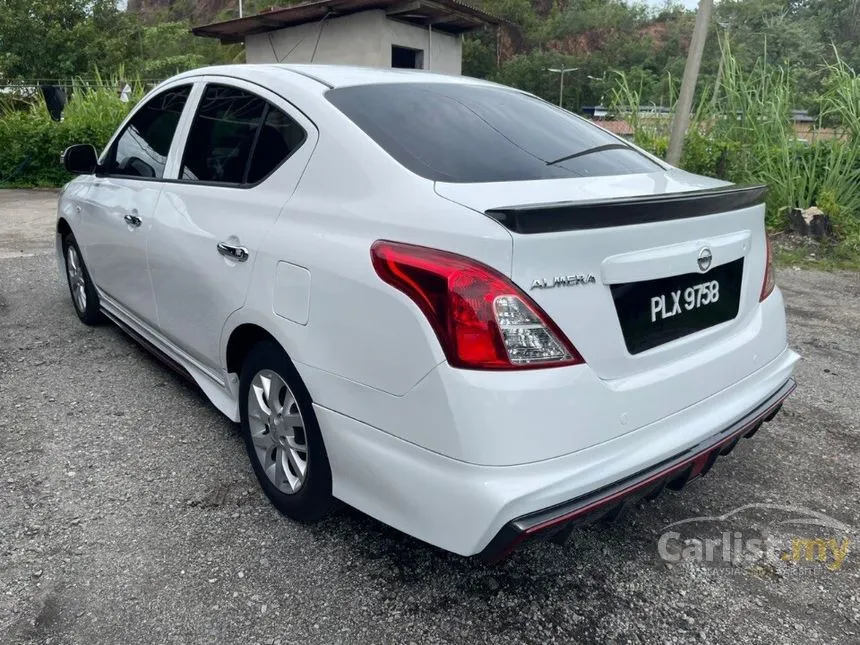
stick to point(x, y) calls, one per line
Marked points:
point(141, 150)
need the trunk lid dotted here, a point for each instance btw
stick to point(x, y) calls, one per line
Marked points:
point(615, 261)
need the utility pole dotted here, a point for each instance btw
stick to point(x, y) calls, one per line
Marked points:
point(240, 8)
point(561, 71)
point(681, 120)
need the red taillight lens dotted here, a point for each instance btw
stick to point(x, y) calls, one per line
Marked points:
point(482, 320)
point(769, 278)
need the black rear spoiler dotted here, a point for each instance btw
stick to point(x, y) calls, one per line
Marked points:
point(575, 216)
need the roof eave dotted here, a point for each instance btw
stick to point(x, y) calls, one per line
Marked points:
point(237, 29)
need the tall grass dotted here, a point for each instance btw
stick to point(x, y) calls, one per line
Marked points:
point(742, 131)
point(98, 99)
point(841, 99)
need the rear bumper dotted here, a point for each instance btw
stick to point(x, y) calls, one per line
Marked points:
point(610, 501)
point(463, 507)
point(500, 418)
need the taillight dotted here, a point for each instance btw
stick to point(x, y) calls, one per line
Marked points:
point(769, 278)
point(482, 320)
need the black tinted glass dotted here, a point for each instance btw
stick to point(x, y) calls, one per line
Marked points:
point(279, 137)
point(468, 133)
point(222, 135)
point(141, 150)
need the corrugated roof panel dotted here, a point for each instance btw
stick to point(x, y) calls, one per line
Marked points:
point(445, 15)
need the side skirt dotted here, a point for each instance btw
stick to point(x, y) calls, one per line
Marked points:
point(221, 391)
point(152, 349)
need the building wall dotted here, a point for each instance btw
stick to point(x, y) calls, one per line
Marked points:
point(445, 50)
point(359, 39)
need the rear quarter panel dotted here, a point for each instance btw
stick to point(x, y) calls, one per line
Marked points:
point(358, 328)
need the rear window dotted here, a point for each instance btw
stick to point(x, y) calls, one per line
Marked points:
point(469, 133)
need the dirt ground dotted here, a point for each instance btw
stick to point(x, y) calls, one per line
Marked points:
point(129, 512)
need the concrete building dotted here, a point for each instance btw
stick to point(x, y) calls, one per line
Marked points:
point(418, 34)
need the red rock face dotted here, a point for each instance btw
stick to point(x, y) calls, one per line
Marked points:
point(199, 12)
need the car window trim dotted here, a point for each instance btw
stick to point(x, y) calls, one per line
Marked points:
point(198, 84)
point(110, 150)
point(149, 95)
point(229, 81)
point(266, 109)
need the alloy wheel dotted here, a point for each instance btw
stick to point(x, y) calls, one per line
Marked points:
point(77, 279)
point(278, 431)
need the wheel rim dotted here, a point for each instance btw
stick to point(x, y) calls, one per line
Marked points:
point(77, 280)
point(278, 431)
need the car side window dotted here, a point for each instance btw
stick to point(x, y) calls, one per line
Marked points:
point(141, 150)
point(237, 138)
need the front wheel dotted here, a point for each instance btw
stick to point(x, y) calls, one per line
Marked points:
point(83, 291)
point(282, 436)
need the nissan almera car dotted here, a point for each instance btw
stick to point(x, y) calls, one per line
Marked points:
point(462, 310)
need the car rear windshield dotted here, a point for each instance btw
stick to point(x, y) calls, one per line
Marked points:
point(466, 133)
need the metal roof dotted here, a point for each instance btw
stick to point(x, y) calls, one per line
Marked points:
point(443, 15)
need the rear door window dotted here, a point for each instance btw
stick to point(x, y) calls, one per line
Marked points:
point(141, 150)
point(456, 132)
point(237, 138)
point(279, 137)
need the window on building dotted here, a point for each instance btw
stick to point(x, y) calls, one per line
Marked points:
point(406, 57)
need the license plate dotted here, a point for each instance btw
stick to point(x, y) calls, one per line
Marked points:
point(653, 312)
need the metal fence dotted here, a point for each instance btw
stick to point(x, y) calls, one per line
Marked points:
point(25, 88)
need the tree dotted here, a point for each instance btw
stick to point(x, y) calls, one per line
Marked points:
point(58, 39)
point(73, 38)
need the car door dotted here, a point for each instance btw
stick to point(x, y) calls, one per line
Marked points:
point(244, 153)
point(116, 217)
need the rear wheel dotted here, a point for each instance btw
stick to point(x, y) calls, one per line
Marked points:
point(83, 291)
point(282, 436)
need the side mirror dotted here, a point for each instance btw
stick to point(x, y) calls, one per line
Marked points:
point(80, 159)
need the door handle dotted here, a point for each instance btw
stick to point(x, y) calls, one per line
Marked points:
point(238, 253)
point(132, 220)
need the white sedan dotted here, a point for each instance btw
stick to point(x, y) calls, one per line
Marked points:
point(445, 302)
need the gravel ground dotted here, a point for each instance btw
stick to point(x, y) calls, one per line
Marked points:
point(26, 219)
point(130, 513)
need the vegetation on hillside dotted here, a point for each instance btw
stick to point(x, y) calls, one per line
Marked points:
point(64, 39)
point(599, 36)
point(59, 40)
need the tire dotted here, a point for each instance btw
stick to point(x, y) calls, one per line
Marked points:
point(85, 299)
point(276, 444)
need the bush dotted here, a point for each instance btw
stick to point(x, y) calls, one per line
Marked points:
point(31, 143)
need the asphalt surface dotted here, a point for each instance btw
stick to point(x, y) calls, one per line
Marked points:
point(129, 512)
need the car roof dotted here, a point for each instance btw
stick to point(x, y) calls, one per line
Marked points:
point(345, 75)
point(336, 75)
